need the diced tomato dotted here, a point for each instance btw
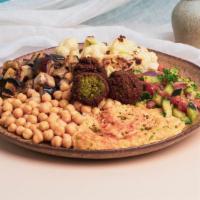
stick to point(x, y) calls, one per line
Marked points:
point(179, 85)
point(180, 102)
point(161, 67)
point(151, 88)
point(197, 103)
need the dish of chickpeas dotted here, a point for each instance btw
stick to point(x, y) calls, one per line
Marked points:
point(66, 101)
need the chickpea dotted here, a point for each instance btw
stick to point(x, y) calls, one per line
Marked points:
point(10, 100)
point(35, 111)
point(69, 76)
point(117, 103)
point(1, 101)
point(17, 103)
point(56, 141)
point(3, 120)
point(33, 104)
point(18, 112)
point(33, 127)
point(53, 117)
point(20, 121)
point(7, 107)
point(36, 99)
point(38, 136)
point(48, 135)
point(30, 92)
point(35, 94)
point(9, 120)
point(27, 109)
point(42, 117)
point(28, 125)
point(12, 128)
point(44, 125)
point(7, 113)
point(19, 130)
point(86, 109)
point(66, 116)
point(77, 105)
point(109, 103)
point(32, 119)
point(58, 129)
point(66, 94)
point(57, 95)
point(63, 103)
point(61, 122)
point(71, 108)
point(27, 133)
point(71, 128)
point(95, 110)
point(46, 97)
point(54, 102)
point(77, 118)
point(67, 141)
point(102, 103)
point(55, 110)
point(45, 107)
point(64, 86)
point(22, 97)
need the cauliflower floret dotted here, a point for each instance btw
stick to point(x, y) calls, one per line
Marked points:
point(144, 60)
point(68, 47)
point(122, 47)
point(93, 48)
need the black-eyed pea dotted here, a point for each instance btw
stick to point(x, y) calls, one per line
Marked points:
point(67, 141)
point(56, 141)
point(20, 121)
point(46, 97)
point(12, 128)
point(57, 95)
point(44, 125)
point(71, 128)
point(37, 136)
point(48, 135)
point(86, 109)
point(19, 130)
point(18, 112)
point(66, 116)
point(27, 133)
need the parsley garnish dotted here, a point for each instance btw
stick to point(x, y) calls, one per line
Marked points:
point(169, 75)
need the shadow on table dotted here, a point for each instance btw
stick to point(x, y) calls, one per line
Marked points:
point(15, 151)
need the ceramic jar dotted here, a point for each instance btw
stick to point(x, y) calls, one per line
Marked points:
point(186, 22)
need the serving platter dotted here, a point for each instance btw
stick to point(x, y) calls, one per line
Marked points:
point(186, 69)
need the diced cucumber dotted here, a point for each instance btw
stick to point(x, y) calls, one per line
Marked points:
point(157, 99)
point(192, 112)
point(167, 108)
point(169, 89)
point(181, 115)
point(151, 79)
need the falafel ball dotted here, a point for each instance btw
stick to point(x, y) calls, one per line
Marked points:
point(125, 87)
point(89, 64)
point(89, 88)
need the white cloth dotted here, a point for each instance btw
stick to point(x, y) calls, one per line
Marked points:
point(170, 174)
